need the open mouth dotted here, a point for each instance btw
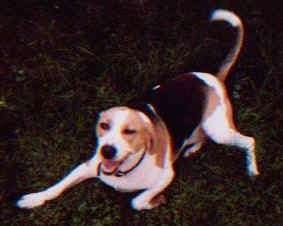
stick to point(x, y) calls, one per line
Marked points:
point(127, 164)
point(109, 166)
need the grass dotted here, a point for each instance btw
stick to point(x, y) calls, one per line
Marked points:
point(63, 62)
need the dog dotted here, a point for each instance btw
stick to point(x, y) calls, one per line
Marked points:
point(137, 144)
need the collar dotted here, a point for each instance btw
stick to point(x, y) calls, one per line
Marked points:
point(120, 173)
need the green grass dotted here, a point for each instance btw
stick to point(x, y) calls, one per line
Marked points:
point(63, 62)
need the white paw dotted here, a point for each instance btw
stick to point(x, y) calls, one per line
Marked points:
point(253, 171)
point(141, 204)
point(191, 150)
point(32, 200)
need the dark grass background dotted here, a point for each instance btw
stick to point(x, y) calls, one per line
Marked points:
point(61, 62)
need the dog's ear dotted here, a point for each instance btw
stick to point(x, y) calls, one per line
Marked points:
point(160, 142)
point(148, 132)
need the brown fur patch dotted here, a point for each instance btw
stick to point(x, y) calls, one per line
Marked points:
point(213, 100)
point(198, 135)
point(161, 141)
point(229, 112)
point(158, 200)
point(141, 139)
point(153, 137)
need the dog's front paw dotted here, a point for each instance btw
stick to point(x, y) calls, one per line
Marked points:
point(142, 204)
point(32, 200)
point(139, 204)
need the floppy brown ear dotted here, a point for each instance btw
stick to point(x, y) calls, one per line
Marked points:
point(160, 141)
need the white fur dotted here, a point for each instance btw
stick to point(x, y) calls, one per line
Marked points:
point(197, 146)
point(227, 16)
point(156, 87)
point(218, 128)
point(213, 82)
point(32, 200)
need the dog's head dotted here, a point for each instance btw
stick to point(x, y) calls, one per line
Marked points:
point(122, 133)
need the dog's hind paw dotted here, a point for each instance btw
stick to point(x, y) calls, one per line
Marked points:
point(253, 172)
point(158, 200)
point(189, 150)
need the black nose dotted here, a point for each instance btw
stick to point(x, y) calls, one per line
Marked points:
point(108, 151)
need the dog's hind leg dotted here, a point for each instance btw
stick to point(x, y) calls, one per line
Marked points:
point(218, 124)
point(221, 129)
point(191, 149)
point(193, 143)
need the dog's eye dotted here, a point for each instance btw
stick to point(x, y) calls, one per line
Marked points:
point(129, 131)
point(104, 126)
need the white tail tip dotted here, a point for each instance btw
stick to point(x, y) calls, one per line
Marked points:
point(226, 15)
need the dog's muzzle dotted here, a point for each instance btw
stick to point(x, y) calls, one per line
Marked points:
point(109, 163)
point(111, 166)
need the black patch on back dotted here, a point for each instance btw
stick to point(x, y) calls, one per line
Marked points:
point(179, 102)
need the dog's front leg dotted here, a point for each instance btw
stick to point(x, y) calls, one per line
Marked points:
point(80, 173)
point(150, 198)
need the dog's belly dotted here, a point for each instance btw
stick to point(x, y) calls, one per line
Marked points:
point(144, 176)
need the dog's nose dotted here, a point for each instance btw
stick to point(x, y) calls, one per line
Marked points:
point(108, 151)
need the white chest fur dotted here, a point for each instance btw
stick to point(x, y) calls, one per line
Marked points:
point(144, 176)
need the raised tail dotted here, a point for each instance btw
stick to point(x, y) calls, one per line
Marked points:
point(235, 21)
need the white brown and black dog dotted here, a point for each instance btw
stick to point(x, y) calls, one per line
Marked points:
point(138, 143)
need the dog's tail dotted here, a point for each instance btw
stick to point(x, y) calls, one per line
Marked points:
point(232, 56)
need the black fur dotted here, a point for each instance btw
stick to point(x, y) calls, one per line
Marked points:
point(178, 102)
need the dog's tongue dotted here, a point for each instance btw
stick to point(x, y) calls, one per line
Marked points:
point(110, 166)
